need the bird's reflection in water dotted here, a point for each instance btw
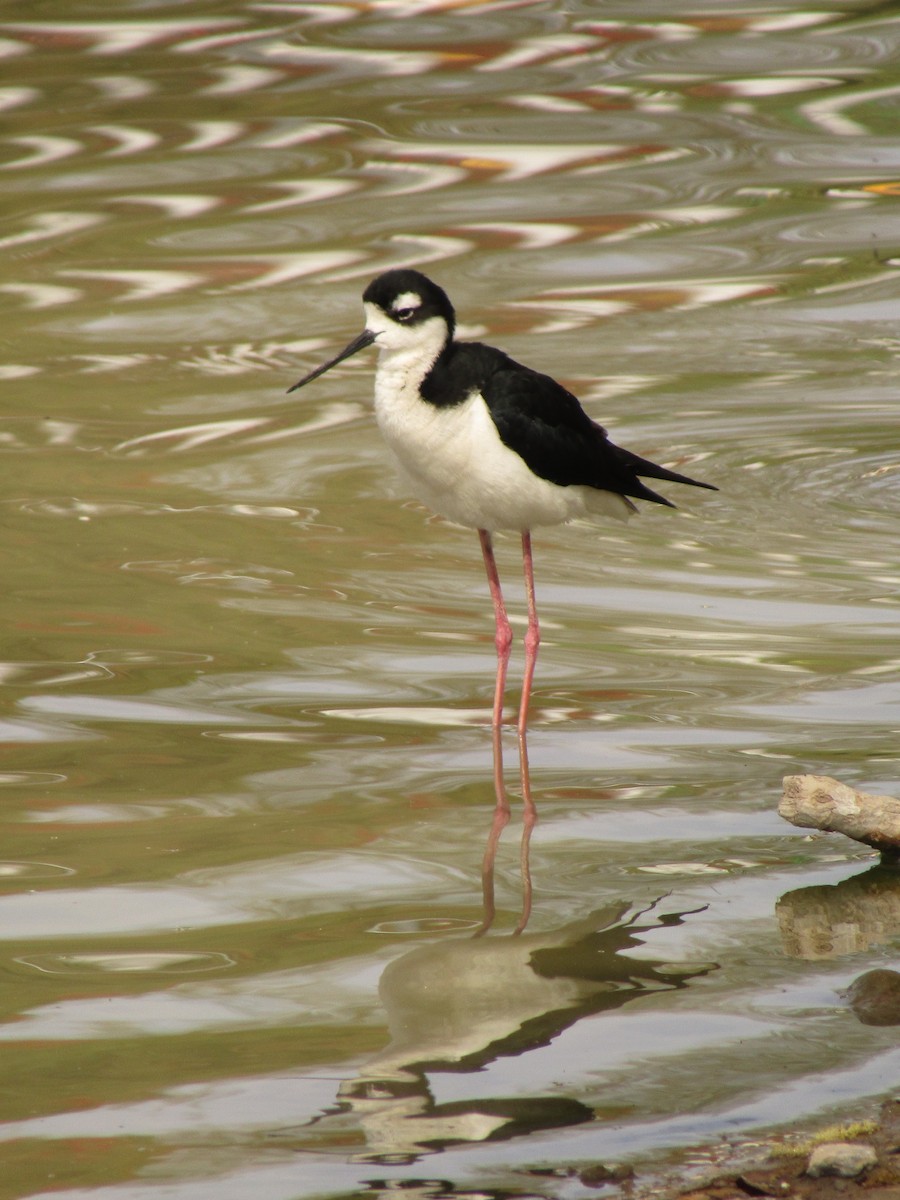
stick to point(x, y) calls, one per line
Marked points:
point(499, 823)
point(459, 1005)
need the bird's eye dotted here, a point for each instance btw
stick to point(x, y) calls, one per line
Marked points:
point(404, 314)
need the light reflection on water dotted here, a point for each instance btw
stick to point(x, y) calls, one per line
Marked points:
point(248, 779)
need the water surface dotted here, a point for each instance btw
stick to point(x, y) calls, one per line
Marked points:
point(250, 944)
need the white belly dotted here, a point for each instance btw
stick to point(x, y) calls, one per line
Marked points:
point(456, 464)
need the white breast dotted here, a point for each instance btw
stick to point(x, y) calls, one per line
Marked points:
point(455, 462)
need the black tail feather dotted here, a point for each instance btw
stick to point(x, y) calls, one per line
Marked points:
point(651, 470)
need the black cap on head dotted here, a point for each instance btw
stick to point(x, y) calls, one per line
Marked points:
point(404, 281)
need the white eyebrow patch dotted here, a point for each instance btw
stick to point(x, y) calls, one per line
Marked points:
point(406, 300)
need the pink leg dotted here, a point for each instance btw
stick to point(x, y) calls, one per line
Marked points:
point(503, 631)
point(532, 637)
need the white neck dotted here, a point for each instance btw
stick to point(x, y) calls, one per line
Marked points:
point(406, 353)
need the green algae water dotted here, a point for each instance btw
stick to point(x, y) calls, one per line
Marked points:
point(251, 942)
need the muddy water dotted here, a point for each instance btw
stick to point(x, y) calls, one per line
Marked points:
point(251, 943)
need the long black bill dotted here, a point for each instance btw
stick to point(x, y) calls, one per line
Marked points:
point(359, 343)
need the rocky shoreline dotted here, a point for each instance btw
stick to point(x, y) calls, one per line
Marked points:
point(858, 1160)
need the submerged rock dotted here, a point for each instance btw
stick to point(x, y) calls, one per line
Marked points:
point(875, 997)
point(845, 1159)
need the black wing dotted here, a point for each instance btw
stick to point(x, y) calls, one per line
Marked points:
point(545, 424)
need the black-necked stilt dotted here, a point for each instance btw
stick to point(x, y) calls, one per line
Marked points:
point(486, 442)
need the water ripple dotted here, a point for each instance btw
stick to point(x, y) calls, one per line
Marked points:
point(44, 149)
point(145, 962)
point(702, 57)
point(16, 871)
point(226, 640)
point(828, 158)
point(113, 37)
point(15, 97)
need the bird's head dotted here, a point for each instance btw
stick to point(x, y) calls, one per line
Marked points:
point(405, 308)
point(406, 312)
